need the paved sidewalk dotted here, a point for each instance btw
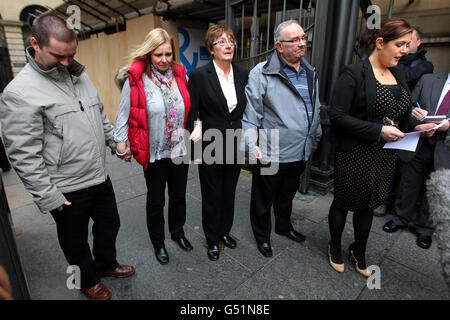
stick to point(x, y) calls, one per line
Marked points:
point(296, 271)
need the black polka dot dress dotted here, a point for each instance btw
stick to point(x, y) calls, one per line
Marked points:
point(362, 175)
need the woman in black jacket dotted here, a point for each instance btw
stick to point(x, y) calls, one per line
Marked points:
point(370, 106)
point(218, 101)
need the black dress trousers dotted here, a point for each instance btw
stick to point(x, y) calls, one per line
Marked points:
point(218, 185)
point(99, 204)
point(159, 174)
point(412, 185)
point(278, 189)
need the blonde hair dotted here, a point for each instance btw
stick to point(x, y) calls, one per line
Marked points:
point(153, 40)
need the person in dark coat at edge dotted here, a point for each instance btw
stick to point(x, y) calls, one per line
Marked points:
point(433, 95)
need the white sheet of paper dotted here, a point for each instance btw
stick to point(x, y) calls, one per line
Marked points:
point(409, 142)
point(437, 126)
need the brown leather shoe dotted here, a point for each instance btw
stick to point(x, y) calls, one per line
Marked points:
point(98, 292)
point(122, 271)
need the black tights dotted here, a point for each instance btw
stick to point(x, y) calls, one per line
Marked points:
point(362, 222)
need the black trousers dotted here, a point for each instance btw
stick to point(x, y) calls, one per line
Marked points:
point(218, 186)
point(99, 204)
point(412, 180)
point(157, 175)
point(278, 189)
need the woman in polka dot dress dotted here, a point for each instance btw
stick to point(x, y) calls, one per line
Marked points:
point(370, 106)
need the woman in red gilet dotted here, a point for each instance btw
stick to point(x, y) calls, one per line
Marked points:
point(152, 116)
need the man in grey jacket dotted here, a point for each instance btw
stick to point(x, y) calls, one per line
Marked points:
point(55, 131)
point(281, 127)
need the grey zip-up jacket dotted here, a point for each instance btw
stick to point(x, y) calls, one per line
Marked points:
point(274, 103)
point(55, 131)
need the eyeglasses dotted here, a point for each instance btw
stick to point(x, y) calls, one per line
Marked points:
point(223, 42)
point(296, 40)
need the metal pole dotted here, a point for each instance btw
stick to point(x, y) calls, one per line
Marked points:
point(242, 32)
point(300, 12)
point(228, 15)
point(283, 17)
point(268, 24)
point(361, 24)
point(342, 26)
point(319, 37)
point(391, 5)
point(310, 10)
point(261, 39)
point(254, 34)
point(351, 33)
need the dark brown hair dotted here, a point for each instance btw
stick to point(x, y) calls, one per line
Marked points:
point(47, 26)
point(214, 32)
point(390, 29)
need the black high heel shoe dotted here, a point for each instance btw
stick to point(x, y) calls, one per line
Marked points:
point(339, 267)
point(359, 262)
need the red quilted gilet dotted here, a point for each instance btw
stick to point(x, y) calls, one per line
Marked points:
point(138, 131)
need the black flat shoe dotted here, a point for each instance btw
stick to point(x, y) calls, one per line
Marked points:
point(424, 241)
point(228, 242)
point(213, 252)
point(184, 243)
point(391, 226)
point(293, 235)
point(161, 255)
point(265, 249)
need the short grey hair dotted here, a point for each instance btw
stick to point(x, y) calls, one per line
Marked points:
point(278, 34)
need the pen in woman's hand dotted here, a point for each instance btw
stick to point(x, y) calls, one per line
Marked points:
point(419, 113)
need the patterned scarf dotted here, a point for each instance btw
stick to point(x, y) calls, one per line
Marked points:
point(164, 82)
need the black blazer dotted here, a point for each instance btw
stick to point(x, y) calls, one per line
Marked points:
point(207, 99)
point(352, 103)
point(208, 103)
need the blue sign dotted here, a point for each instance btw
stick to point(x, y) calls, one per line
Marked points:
point(192, 49)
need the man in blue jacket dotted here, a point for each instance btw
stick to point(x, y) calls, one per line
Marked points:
point(281, 125)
